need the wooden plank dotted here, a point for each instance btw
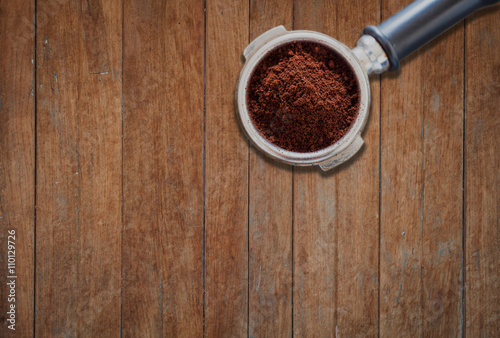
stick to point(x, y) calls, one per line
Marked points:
point(482, 183)
point(421, 190)
point(143, 170)
point(315, 208)
point(315, 252)
point(17, 166)
point(58, 171)
point(79, 170)
point(357, 197)
point(100, 165)
point(182, 236)
point(226, 219)
point(336, 213)
point(163, 169)
point(442, 194)
point(270, 223)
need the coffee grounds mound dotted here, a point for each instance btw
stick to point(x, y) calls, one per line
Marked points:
point(303, 96)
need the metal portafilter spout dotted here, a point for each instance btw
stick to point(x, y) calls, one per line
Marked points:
point(418, 23)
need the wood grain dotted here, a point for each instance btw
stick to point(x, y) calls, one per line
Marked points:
point(226, 220)
point(442, 194)
point(421, 201)
point(315, 215)
point(143, 167)
point(96, 44)
point(315, 252)
point(358, 198)
point(482, 183)
point(336, 212)
point(154, 217)
point(58, 170)
point(163, 169)
point(182, 234)
point(17, 163)
point(100, 166)
point(79, 171)
point(270, 223)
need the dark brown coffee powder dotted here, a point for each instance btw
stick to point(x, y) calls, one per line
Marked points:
point(303, 96)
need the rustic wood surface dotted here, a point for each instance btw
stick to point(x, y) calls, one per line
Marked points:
point(421, 190)
point(78, 168)
point(270, 211)
point(140, 208)
point(17, 159)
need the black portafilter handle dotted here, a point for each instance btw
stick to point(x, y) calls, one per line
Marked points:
point(420, 22)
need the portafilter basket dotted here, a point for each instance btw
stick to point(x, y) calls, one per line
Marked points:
point(379, 49)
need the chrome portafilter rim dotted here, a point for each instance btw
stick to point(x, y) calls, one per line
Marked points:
point(379, 49)
point(351, 140)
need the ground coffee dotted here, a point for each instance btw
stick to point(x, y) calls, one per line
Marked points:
point(303, 96)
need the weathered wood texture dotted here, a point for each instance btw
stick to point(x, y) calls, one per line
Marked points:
point(78, 168)
point(482, 182)
point(315, 234)
point(154, 217)
point(357, 195)
point(163, 169)
point(336, 213)
point(144, 166)
point(421, 190)
point(270, 223)
point(226, 203)
point(17, 163)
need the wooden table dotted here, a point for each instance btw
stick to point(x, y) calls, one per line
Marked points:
point(155, 217)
